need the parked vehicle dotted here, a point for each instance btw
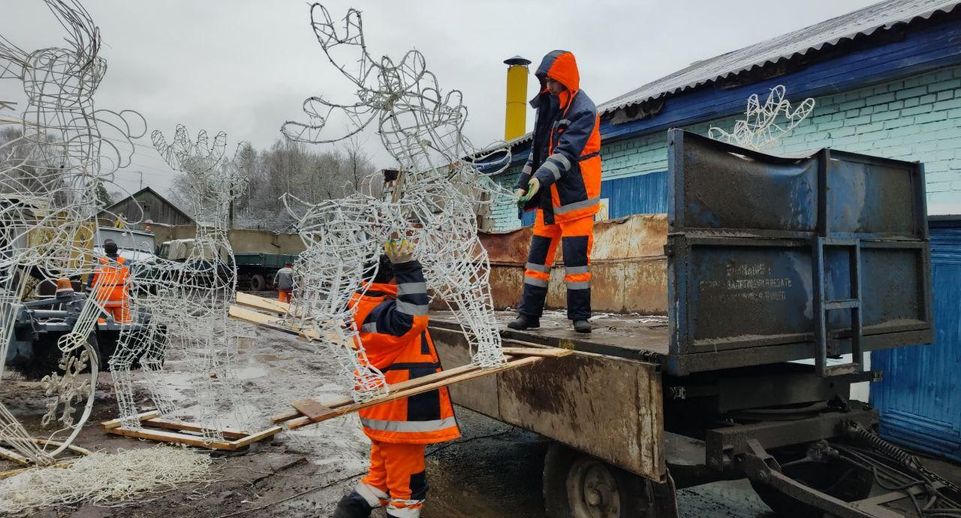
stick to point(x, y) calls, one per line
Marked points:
point(765, 261)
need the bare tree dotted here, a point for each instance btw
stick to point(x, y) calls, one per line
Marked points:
point(292, 167)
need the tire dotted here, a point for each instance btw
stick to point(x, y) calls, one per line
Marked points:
point(257, 282)
point(577, 485)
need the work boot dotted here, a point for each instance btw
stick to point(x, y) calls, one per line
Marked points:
point(582, 326)
point(352, 506)
point(523, 322)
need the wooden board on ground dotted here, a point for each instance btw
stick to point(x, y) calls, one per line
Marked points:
point(263, 303)
point(308, 411)
point(269, 321)
point(155, 428)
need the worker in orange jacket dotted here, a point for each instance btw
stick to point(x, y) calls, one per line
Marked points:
point(391, 316)
point(110, 282)
point(562, 182)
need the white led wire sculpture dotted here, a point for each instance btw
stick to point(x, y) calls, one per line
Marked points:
point(188, 300)
point(49, 175)
point(432, 203)
point(764, 125)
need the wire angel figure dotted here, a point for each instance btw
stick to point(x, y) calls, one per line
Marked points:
point(432, 201)
point(189, 299)
point(765, 125)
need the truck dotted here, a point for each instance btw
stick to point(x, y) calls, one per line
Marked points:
point(257, 254)
point(731, 332)
point(43, 319)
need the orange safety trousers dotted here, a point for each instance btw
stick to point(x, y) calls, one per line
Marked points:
point(283, 295)
point(396, 479)
point(577, 239)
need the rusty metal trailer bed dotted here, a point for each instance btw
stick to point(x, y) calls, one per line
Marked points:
point(760, 261)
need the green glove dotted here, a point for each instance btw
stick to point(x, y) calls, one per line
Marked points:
point(532, 187)
point(399, 250)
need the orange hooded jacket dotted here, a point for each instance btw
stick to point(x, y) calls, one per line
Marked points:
point(565, 152)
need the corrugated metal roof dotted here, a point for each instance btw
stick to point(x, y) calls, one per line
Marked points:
point(821, 36)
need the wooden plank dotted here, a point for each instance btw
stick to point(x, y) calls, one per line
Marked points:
point(115, 423)
point(299, 422)
point(276, 306)
point(188, 427)
point(546, 352)
point(272, 322)
point(259, 436)
point(172, 437)
point(311, 408)
point(346, 400)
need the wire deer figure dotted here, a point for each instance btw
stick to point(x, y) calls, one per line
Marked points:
point(432, 201)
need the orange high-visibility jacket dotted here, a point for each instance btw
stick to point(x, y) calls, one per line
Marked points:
point(565, 151)
point(112, 275)
point(392, 321)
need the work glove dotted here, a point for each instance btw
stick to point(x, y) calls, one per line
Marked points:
point(533, 186)
point(399, 250)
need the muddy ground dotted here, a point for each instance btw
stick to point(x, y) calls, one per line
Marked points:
point(493, 471)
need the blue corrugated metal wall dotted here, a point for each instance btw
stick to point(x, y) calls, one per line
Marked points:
point(920, 396)
point(640, 194)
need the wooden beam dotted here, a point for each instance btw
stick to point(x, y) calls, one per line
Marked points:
point(115, 423)
point(178, 426)
point(345, 400)
point(259, 436)
point(393, 393)
point(172, 437)
point(275, 306)
point(546, 352)
point(272, 322)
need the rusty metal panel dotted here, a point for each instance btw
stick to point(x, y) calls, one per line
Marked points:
point(610, 408)
point(627, 263)
point(744, 264)
point(570, 400)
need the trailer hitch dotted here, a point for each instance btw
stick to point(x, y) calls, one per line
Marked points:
point(761, 467)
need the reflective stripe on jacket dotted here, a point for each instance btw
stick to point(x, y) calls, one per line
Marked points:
point(565, 151)
point(392, 321)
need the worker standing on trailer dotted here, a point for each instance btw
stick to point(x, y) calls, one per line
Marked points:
point(284, 281)
point(562, 183)
point(110, 282)
point(391, 316)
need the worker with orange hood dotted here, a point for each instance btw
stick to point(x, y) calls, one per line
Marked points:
point(562, 182)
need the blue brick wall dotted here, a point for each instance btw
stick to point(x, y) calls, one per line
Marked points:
point(914, 118)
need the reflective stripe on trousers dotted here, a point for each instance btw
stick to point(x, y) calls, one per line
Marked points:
point(576, 238)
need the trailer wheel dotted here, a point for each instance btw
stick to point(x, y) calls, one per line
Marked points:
point(577, 485)
point(257, 282)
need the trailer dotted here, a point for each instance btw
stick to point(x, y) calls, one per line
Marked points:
point(256, 270)
point(737, 326)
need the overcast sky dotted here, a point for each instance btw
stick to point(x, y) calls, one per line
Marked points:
point(245, 66)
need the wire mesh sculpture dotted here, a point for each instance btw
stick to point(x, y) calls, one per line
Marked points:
point(61, 150)
point(189, 298)
point(432, 201)
point(764, 125)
